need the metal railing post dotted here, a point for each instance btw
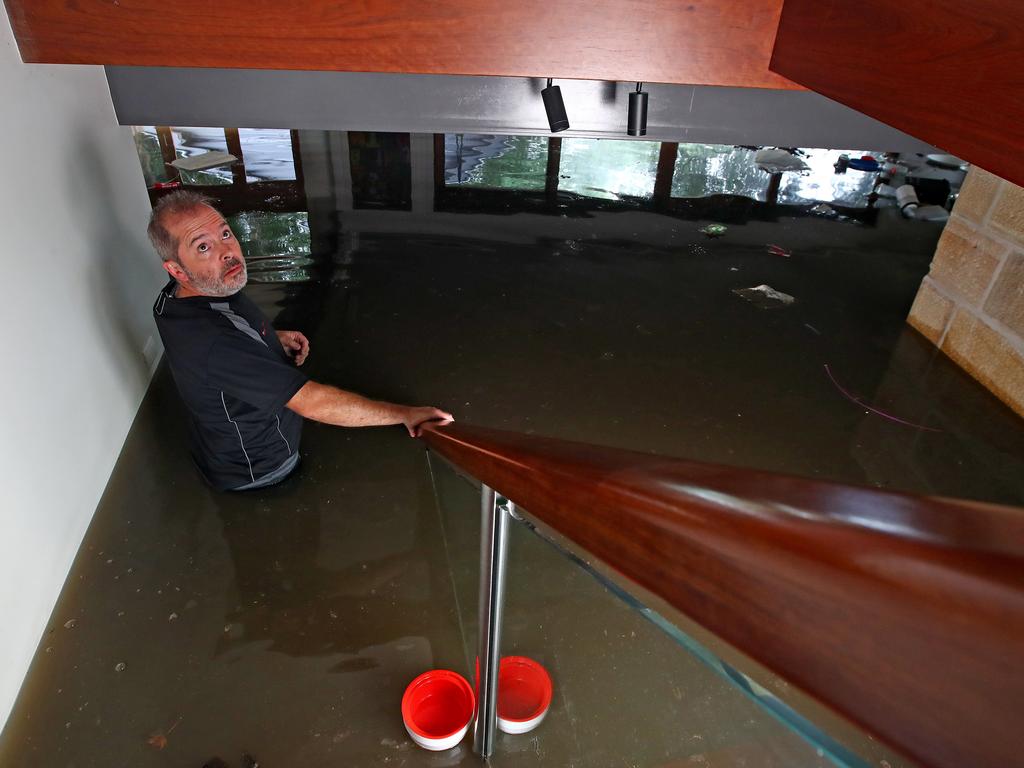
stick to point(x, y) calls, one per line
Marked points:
point(493, 551)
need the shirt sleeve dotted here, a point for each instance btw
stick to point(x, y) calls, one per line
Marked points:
point(249, 370)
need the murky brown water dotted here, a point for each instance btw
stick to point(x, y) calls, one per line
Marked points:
point(286, 623)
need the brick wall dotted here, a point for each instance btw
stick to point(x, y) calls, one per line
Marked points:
point(971, 304)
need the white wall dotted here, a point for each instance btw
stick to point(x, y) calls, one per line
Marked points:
point(78, 280)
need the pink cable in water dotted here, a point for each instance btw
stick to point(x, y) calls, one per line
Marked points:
point(883, 414)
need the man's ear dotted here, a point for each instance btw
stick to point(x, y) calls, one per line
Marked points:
point(174, 270)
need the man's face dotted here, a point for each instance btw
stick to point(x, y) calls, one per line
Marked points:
point(210, 261)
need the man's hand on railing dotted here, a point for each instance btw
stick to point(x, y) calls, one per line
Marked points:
point(330, 405)
point(934, 606)
point(415, 418)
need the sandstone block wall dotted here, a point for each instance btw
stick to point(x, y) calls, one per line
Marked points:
point(971, 304)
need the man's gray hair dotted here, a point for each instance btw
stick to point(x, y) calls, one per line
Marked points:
point(179, 201)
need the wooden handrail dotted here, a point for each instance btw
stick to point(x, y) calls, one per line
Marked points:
point(716, 42)
point(903, 613)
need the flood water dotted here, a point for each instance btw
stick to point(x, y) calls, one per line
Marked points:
point(286, 623)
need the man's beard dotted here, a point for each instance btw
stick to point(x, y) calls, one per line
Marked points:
point(218, 286)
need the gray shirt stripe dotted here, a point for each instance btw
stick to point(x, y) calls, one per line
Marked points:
point(237, 320)
point(240, 440)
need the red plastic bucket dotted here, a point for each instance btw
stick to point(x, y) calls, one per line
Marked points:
point(437, 708)
point(524, 694)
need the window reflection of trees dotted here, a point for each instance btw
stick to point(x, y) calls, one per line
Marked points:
point(609, 168)
point(613, 169)
point(713, 169)
point(495, 162)
point(268, 179)
point(261, 193)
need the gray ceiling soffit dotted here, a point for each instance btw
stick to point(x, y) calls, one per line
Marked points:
point(247, 98)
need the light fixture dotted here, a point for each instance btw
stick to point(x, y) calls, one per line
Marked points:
point(553, 105)
point(636, 122)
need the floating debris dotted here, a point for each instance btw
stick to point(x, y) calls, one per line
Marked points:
point(203, 161)
point(70, 623)
point(120, 667)
point(159, 739)
point(713, 230)
point(824, 209)
point(765, 297)
point(862, 404)
point(172, 617)
point(778, 160)
point(931, 213)
point(778, 250)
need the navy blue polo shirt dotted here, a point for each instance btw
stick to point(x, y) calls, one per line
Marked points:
point(235, 379)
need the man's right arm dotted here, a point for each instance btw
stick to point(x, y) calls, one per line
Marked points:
point(330, 405)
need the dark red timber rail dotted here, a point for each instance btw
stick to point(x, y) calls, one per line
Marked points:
point(946, 71)
point(903, 613)
point(712, 42)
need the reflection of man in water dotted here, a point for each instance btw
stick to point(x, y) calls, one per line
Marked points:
point(238, 375)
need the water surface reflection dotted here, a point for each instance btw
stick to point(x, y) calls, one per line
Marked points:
point(301, 612)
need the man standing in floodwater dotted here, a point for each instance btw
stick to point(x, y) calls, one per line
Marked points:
point(239, 376)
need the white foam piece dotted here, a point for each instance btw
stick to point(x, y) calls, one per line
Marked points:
point(206, 160)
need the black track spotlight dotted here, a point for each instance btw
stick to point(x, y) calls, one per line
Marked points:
point(636, 122)
point(553, 105)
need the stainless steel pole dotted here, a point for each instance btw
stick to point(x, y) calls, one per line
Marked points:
point(493, 551)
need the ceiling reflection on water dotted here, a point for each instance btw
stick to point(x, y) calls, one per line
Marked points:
point(270, 202)
point(368, 211)
point(606, 169)
point(581, 315)
point(267, 197)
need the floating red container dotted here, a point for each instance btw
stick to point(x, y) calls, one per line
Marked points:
point(437, 708)
point(524, 694)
